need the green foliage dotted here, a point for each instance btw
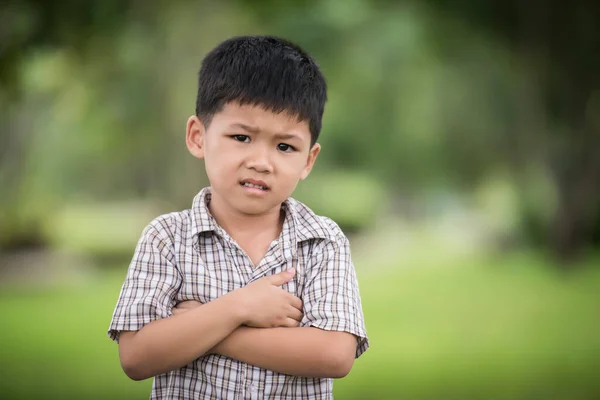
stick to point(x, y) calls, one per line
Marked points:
point(420, 100)
point(351, 199)
point(101, 230)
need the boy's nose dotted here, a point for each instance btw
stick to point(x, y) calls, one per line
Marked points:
point(259, 161)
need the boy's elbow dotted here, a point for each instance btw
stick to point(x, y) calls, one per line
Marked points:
point(341, 355)
point(130, 363)
point(133, 371)
point(341, 365)
point(132, 368)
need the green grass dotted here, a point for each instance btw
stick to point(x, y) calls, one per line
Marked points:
point(55, 344)
point(515, 330)
point(470, 329)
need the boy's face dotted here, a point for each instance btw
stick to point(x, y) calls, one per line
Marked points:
point(254, 158)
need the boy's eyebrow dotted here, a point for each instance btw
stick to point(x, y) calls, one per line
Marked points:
point(254, 129)
point(245, 127)
point(287, 136)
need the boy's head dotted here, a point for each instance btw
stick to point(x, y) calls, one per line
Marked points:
point(262, 71)
point(258, 116)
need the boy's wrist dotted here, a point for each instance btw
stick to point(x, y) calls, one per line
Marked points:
point(237, 306)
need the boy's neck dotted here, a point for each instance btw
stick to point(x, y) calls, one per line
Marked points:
point(242, 226)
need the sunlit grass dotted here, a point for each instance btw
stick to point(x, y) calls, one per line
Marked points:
point(55, 344)
point(505, 329)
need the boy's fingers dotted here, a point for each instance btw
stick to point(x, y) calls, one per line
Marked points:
point(282, 277)
point(295, 314)
point(290, 323)
point(188, 304)
point(296, 302)
point(185, 306)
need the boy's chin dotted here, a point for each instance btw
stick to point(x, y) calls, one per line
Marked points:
point(256, 206)
point(256, 209)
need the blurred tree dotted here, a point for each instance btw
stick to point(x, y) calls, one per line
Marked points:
point(560, 45)
point(30, 24)
point(439, 108)
point(26, 29)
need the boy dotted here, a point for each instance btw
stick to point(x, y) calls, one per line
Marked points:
point(248, 294)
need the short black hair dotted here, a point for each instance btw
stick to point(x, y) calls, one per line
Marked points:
point(264, 71)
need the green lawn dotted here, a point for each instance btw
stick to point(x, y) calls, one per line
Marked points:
point(504, 329)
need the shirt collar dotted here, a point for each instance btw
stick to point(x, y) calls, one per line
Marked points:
point(287, 239)
point(300, 223)
point(202, 219)
point(309, 225)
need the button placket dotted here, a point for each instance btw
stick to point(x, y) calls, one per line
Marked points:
point(238, 256)
point(252, 386)
point(271, 260)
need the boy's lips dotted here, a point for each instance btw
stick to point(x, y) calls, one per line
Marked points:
point(254, 183)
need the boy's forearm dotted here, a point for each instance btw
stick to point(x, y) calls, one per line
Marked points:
point(303, 351)
point(171, 343)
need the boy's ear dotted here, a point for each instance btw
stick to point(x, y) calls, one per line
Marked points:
point(194, 136)
point(312, 157)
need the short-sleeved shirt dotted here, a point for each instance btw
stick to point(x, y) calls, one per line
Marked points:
point(187, 256)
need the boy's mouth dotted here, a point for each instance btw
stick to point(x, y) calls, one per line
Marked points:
point(252, 183)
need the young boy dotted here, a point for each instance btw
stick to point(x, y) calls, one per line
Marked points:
point(248, 294)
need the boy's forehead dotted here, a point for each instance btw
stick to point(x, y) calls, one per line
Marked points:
point(257, 117)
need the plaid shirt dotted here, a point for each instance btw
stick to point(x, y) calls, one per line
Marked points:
point(188, 256)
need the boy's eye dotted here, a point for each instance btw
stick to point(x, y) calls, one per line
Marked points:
point(241, 138)
point(285, 147)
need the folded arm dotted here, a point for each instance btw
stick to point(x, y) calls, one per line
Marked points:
point(331, 290)
point(170, 343)
point(157, 348)
point(302, 351)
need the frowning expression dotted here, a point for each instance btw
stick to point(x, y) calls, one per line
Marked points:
point(253, 157)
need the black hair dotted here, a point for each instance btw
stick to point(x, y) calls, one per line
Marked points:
point(264, 71)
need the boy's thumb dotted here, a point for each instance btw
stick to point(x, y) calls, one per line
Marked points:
point(283, 276)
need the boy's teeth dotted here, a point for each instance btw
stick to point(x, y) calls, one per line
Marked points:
point(253, 186)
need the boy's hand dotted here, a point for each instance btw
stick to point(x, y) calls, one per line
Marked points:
point(185, 306)
point(283, 309)
point(266, 305)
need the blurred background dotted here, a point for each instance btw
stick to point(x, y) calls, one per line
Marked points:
point(461, 154)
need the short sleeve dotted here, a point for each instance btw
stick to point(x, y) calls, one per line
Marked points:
point(331, 296)
point(152, 281)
